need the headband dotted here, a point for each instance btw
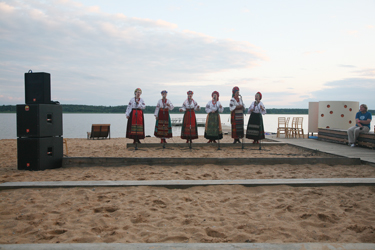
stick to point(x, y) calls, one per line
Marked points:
point(164, 91)
point(217, 93)
point(234, 90)
point(260, 95)
point(190, 92)
point(137, 89)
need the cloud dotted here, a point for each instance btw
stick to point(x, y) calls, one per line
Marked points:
point(94, 9)
point(5, 8)
point(347, 66)
point(352, 32)
point(366, 72)
point(314, 52)
point(359, 83)
point(174, 8)
point(98, 58)
point(351, 89)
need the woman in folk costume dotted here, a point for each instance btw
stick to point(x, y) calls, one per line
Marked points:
point(136, 124)
point(163, 127)
point(213, 129)
point(255, 128)
point(189, 126)
point(236, 107)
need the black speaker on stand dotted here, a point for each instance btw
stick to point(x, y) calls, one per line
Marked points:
point(37, 88)
point(39, 126)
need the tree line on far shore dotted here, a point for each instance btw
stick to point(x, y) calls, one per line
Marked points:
point(71, 108)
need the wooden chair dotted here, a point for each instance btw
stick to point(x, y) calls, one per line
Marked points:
point(299, 127)
point(282, 126)
point(292, 130)
point(100, 131)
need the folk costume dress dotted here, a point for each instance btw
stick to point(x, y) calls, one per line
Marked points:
point(163, 126)
point(189, 129)
point(255, 128)
point(136, 123)
point(213, 129)
point(236, 114)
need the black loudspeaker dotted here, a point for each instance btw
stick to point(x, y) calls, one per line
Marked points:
point(37, 88)
point(39, 153)
point(39, 120)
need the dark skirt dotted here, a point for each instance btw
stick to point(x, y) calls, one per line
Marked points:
point(163, 126)
point(135, 128)
point(213, 129)
point(237, 123)
point(189, 125)
point(255, 128)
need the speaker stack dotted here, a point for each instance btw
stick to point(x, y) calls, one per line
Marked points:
point(39, 126)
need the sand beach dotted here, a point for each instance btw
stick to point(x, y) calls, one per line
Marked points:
point(217, 214)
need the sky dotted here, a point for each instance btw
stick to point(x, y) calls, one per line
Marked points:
point(99, 51)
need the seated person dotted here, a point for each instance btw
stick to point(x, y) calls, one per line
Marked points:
point(363, 119)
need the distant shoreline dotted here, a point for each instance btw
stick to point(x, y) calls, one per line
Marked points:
point(91, 109)
point(88, 109)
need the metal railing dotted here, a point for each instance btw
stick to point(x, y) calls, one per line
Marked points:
point(179, 121)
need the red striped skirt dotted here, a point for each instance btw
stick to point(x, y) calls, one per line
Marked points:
point(237, 123)
point(189, 125)
point(163, 128)
point(136, 125)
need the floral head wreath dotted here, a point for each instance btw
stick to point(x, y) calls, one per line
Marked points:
point(217, 93)
point(234, 90)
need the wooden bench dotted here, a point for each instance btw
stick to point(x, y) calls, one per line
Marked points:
point(341, 136)
point(100, 131)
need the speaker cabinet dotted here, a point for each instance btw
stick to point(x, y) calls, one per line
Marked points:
point(39, 153)
point(37, 88)
point(39, 120)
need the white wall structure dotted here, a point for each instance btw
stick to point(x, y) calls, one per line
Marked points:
point(332, 114)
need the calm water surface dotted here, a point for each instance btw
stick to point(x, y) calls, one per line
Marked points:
point(77, 125)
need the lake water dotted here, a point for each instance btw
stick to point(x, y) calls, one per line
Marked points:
point(77, 125)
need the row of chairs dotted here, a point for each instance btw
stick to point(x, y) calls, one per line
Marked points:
point(293, 131)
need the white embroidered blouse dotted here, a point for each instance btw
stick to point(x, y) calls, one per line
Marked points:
point(233, 104)
point(211, 106)
point(163, 104)
point(134, 105)
point(257, 108)
point(190, 105)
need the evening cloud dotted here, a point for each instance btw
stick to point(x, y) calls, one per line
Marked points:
point(96, 57)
